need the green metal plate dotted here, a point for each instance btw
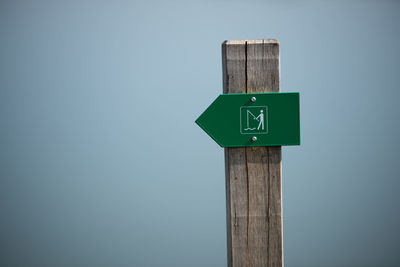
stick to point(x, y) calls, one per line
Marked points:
point(234, 120)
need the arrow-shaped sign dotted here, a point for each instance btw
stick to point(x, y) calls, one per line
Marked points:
point(268, 119)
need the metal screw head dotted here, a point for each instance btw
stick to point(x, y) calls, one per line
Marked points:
point(254, 138)
point(253, 99)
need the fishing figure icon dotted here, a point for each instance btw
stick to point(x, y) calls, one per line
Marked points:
point(259, 118)
point(253, 119)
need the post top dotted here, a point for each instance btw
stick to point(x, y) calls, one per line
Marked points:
point(251, 41)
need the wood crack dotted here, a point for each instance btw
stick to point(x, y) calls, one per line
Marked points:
point(269, 204)
point(248, 197)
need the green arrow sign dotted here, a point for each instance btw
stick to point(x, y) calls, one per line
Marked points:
point(269, 119)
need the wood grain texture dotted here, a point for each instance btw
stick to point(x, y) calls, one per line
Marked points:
point(253, 174)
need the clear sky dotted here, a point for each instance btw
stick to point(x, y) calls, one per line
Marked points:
point(101, 163)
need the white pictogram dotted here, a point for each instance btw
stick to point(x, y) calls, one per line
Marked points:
point(253, 119)
point(259, 118)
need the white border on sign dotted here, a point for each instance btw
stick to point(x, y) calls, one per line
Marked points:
point(266, 119)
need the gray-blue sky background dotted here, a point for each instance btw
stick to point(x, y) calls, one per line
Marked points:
point(101, 163)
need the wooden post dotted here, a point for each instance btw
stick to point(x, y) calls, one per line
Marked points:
point(253, 174)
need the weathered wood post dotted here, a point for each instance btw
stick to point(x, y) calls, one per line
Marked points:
point(252, 120)
point(253, 174)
